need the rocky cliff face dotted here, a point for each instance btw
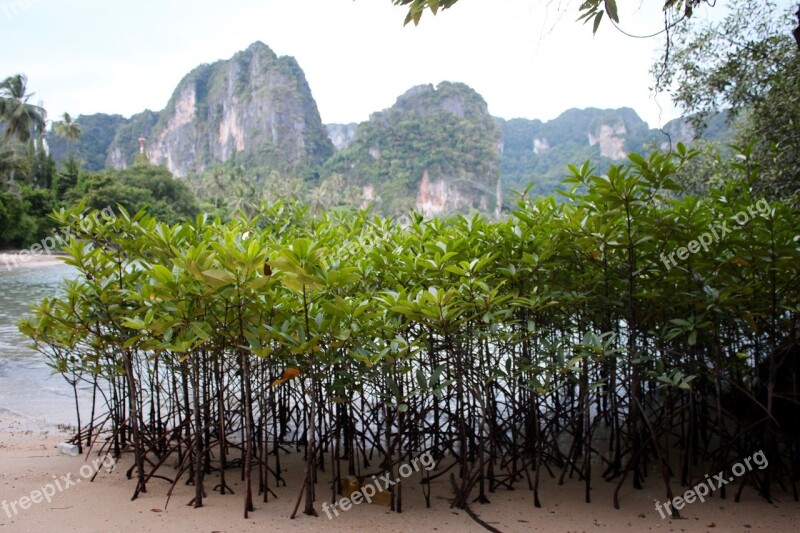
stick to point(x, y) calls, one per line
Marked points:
point(122, 149)
point(435, 198)
point(341, 135)
point(255, 108)
point(611, 140)
point(539, 152)
point(436, 150)
point(255, 104)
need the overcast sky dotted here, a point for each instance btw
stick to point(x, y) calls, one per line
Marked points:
point(527, 58)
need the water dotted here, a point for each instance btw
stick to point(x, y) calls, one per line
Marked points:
point(27, 387)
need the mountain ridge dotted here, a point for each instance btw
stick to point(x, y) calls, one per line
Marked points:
point(256, 110)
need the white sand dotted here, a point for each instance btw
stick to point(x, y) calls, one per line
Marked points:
point(29, 461)
point(10, 259)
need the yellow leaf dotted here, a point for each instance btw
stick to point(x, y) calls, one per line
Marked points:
point(289, 373)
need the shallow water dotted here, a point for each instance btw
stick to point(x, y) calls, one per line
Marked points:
point(27, 387)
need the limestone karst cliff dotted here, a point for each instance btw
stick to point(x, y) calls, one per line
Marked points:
point(436, 149)
point(341, 134)
point(255, 107)
point(538, 152)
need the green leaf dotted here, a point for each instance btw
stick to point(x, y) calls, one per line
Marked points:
point(611, 9)
point(597, 18)
point(198, 330)
point(162, 273)
point(343, 335)
point(134, 323)
point(437, 373)
point(217, 278)
point(421, 381)
point(393, 386)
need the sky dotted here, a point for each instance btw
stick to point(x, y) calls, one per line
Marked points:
point(527, 58)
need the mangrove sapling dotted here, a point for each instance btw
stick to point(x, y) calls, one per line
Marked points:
point(552, 335)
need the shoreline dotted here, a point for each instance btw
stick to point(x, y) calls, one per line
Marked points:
point(13, 259)
point(29, 461)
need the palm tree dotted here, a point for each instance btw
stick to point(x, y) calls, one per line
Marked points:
point(243, 195)
point(10, 165)
point(20, 117)
point(68, 129)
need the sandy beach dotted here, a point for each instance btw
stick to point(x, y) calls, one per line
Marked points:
point(29, 461)
point(10, 259)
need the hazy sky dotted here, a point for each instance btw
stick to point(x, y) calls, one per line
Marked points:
point(527, 58)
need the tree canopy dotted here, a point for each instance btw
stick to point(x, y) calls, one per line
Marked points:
point(747, 66)
point(140, 187)
point(20, 118)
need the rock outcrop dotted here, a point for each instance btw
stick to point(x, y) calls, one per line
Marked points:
point(255, 104)
point(341, 134)
point(255, 107)
point(538, 152)
point(611, 140)
point(436, 150)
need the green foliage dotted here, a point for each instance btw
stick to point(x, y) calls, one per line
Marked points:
point(98, 134)
point(16, 227)
point(13, 166)
point(139, 187)
point(67, 129)
point(39, 203)
point(590, 10)
point(746, 65)
point(17, 117)
point(229, 188)
point(417, 7)
point(25, 216)
point(418, 332)
point(43, 171)
point(771, 126)
point(67, 178)
point(728, 65)
point(27, 172)
point(445, 131)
